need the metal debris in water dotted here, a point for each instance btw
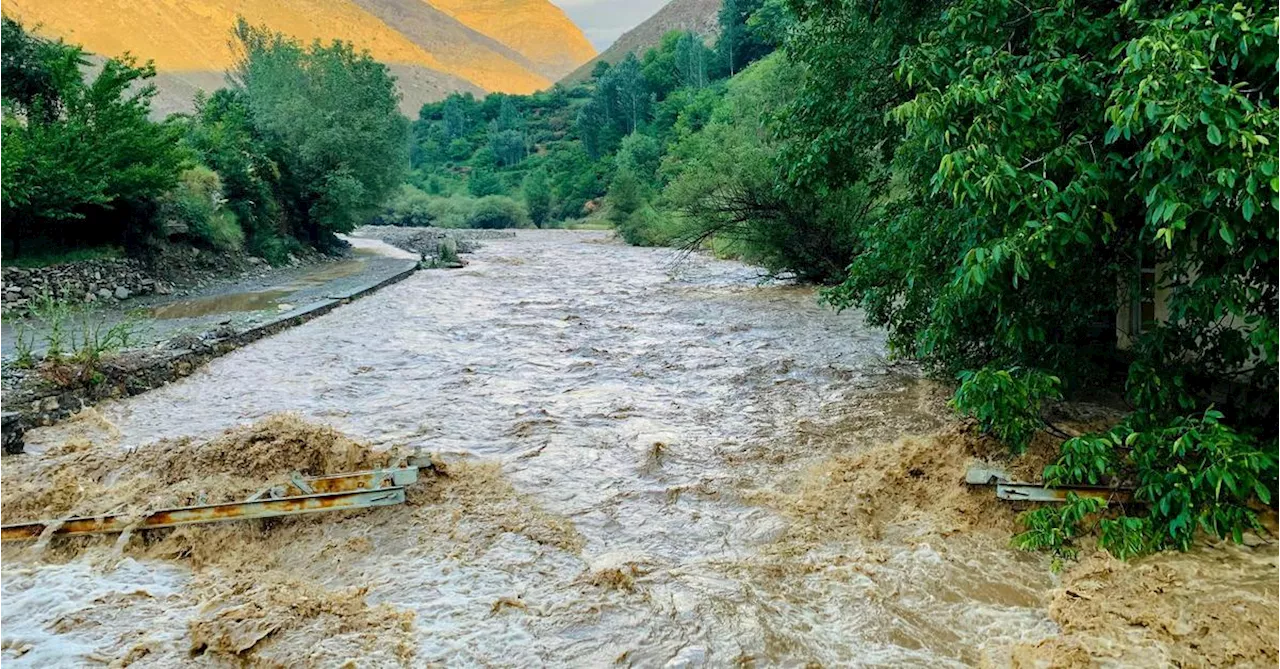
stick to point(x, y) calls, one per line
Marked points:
point(1016, 491)
point(357, 490)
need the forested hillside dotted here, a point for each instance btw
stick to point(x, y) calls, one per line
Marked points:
point(1040, 200)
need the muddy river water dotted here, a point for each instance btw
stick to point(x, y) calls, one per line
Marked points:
point(641, 415)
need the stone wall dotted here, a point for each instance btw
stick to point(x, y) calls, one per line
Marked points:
point(85, 281)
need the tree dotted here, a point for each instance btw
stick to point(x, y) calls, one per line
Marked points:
point(1043, 153)
point(630, 99)
point(507, 136)
point(738, 44)
point(626, 195)
point(222, 136)
point(537, 197)
point(460, 113)
point(484, 182)
point(329, 118)
point(83, 163)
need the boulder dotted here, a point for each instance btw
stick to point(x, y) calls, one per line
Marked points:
point(13, 430)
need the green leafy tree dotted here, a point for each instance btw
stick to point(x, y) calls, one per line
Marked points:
point(484, 182)
point(328, 118)
point(537, 197)
point(1024, 138)
point(83, 163)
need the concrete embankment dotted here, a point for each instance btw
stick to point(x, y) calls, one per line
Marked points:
point(43, 396)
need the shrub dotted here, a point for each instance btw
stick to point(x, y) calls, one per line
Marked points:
point(409, 207)
point(1192, 474)
point(484, 182)
point(647, 226)
point(496, 211)
point(451, 212)
point(1007, 403)
point(197, 205)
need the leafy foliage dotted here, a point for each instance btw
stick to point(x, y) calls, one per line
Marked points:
point(327, 117)
point(1007, 403)
point(198, 205)
point(537, 197)
point(83, 162)
point(1003, 144)
point(497, 211)
point(1055, 528)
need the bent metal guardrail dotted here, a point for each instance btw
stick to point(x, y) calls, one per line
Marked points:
point(301, 495)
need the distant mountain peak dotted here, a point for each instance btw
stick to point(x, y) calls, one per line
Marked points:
point(434, 47)
point(697, 16)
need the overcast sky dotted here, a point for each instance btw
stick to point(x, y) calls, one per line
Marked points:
point(604, 20)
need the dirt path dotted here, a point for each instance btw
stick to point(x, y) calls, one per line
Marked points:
point(643, 465)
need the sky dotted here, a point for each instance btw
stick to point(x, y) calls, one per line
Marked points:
point(604, 20)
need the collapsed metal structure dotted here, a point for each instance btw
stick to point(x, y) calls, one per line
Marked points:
point(1015, 491)
point(300, 495)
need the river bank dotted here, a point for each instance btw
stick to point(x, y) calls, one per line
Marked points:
point(644, 462)
point(168, 336)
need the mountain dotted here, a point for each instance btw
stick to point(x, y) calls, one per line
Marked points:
point(539, 31)
point(697, 16)
point(434, 47)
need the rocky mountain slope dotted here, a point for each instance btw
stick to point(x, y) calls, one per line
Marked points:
point(433, 46)
point(539, 31)
point(698, 16)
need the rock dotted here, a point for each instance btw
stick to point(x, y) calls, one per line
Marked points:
point(255, 260)
point(13, 430)
point(30, 291)
point(89, 297)
point(104, 293)
point(163, 288)
point(49, 404)
point(122, 293)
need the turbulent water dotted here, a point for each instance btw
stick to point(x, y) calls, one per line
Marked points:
point(644, 401)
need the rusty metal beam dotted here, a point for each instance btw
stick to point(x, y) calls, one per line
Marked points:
point(208, 513)
point(366, 480)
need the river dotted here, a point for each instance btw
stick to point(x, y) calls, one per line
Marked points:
point(628, 425)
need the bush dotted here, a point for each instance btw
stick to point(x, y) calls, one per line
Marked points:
point(647, 226)
point(1192, 474)
point(496, 211)
point(409, 207)
point(484, 182)
point(196, 204)
point(1007, 402)
point(451, 212)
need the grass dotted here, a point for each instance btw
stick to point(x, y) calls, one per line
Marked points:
point(596, 220)
point(47, 258)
